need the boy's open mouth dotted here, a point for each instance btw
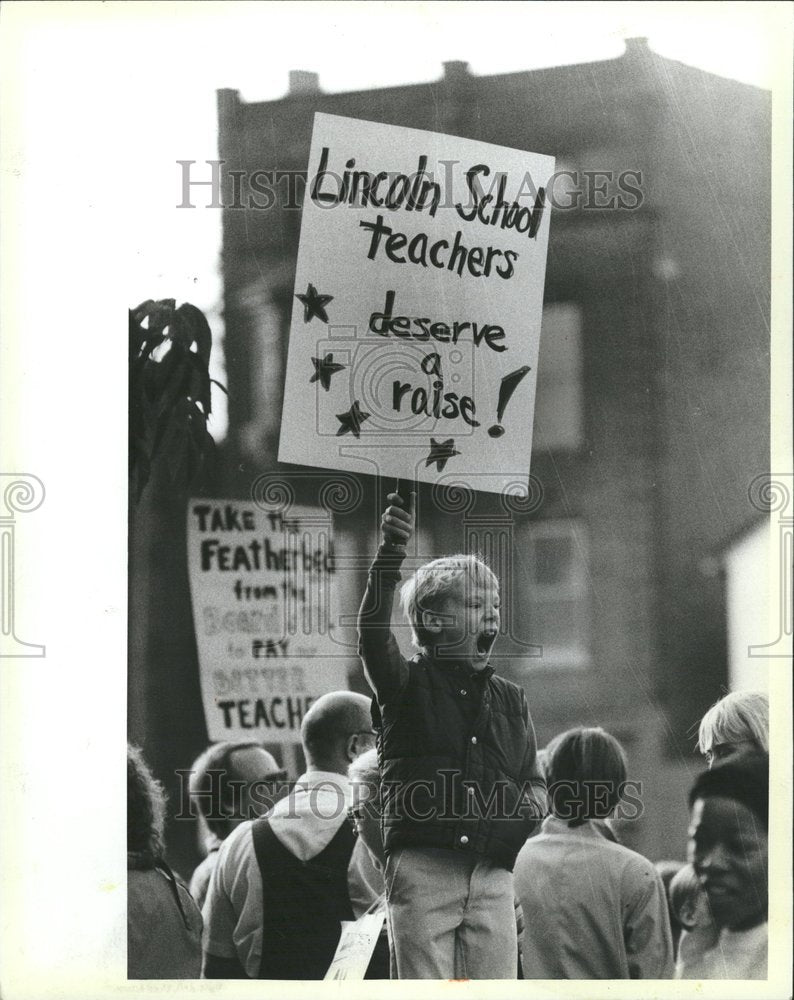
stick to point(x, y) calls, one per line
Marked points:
point(485, 640)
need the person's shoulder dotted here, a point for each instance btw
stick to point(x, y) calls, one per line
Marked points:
point(511, 693)
point(539, 853)
point(190, 908)
point(633, 859)
point(506, 685)
point(149, 888)
point(202, 873)
point(638, 874)
point(236, 847)
point(423, 666)
point(143, 884)
point(203, 870)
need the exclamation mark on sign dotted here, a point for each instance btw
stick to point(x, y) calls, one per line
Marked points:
point(506, 390)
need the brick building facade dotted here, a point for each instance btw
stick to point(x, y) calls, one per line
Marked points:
point(653, 386)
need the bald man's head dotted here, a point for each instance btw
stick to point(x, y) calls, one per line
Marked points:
point(223, 779)
point(335, 730)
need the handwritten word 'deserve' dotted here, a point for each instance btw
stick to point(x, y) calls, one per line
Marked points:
point(384, 323)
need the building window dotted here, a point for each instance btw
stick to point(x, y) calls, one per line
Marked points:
point(558, 403)
point(554, 585)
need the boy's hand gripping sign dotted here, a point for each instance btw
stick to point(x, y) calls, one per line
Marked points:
point(418, 299)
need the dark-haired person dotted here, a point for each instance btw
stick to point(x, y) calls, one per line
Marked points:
point(593, 909)
point(728, 848)
point(163, 922)
point(221, 782)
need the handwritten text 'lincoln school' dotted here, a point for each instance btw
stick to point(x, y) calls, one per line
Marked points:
point(420, 192)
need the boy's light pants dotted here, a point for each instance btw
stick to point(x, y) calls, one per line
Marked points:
point(451, 915)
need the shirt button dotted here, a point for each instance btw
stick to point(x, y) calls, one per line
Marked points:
point(463, 690)
point(470, 790)
point(464, 840)
point(474, 739)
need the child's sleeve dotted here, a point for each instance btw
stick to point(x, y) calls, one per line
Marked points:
point(385, 667)
point(533, 783)
point(646, 928)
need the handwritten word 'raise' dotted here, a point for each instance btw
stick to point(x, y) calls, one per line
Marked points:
point(436, 403)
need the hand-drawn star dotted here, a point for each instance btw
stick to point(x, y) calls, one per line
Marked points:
point(440, 453)
point(324, 369)
point(314, 304)
point(352, 420)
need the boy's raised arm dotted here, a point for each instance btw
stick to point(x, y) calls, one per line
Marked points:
point(385, 667)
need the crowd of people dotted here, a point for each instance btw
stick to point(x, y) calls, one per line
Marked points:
point(427, 815)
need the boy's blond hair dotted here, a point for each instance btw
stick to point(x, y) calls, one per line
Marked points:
point(740, 715)
point(431, 583)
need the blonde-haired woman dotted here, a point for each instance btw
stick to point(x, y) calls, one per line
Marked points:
point(737, 723)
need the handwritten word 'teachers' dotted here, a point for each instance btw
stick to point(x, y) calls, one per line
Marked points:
point(420, 251)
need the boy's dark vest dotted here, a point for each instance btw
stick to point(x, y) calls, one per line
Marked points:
point(452, 771)
point(304, 903)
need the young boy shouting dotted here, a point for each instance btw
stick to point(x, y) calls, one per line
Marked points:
point(461, 788)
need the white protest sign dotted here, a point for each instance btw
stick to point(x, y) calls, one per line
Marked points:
point(263, 593)
point(418, 298)
point(356, 945)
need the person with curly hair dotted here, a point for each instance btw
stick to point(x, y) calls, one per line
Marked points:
point(163, 923)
